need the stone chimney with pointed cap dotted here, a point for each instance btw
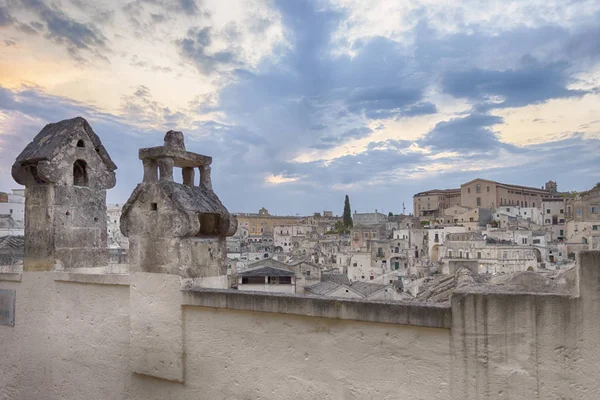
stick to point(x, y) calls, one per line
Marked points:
point(66, 171)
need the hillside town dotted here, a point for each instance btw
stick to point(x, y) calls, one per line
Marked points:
point(158, 290)
point(484, 229)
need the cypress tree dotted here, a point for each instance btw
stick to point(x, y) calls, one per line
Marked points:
point(347, 213)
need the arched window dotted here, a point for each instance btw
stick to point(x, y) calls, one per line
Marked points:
point(80, 176)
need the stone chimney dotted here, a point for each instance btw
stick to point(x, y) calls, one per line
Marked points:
point(176, 228)
point(66, 172)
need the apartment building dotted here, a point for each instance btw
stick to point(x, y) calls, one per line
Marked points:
point(481, 193)
point(491, 194)
point(431, 202)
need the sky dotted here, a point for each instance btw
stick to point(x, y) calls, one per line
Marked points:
point(302, 102)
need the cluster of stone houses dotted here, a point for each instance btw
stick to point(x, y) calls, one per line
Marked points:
point(487, 227)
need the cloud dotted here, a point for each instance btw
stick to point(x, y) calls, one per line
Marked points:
point(157, 18)
point(189, 6)
point(5, 18)
point(301, 94)
point(195, 47)
point(470, 134)
point(62, 29)
point(532, 83)
point(148, 65)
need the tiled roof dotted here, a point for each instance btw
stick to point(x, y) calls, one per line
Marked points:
point(341, 279)
point(322, 288)
point(12, 242)
point(367, 288)
point(267, 271)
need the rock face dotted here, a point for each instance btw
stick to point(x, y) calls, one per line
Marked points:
point(176, 228)
point(66, 171)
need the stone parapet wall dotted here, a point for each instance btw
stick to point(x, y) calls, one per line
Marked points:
point(144, 336)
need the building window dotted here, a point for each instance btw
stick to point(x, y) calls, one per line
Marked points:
point(579, 212)
point(594, 210)
point(80, 176)
point(524, 241)
point(547, 221)
point(436, 239)
point(562, 211)
point(537, 241)
point(478, 255)
point(488, 189)
point(80, 143)
point(467, 255)
point(468, 190)
point(253, 280)
point(533, 205)
point(478, 188)
point(449, 253)
point(562, 232)
point(10, 211)
point(594, 227)
point(505, 255)
point(479, 201)
point(548, 211)
point(460, 254)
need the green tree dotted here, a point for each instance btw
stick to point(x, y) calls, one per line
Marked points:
point(347, 213)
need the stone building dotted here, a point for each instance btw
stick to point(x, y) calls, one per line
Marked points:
point(483, 255)
point(436, 238)
point(491, 194)
point(267, 279)
point(431, 202)
point(369, 219)
point(177, 228)
point(481, 193)
point(116, 240)
point(263, 222)
point(284, 235)
point(13, 205)
point(584, 207)
point(66, 171)
point(362, 235)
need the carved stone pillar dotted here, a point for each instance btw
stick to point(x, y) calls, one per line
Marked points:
point(188, 176)
point(150, 171)
point(165, 165)
point(205, 179)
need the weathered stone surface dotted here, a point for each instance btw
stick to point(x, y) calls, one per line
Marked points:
point(156, 327)
point(181, 158)
point(176, 228)
point(175, 140)
point(54, 150)
point(66, 171)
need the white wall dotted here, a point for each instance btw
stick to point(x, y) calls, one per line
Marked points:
point(267, 288)
point(15, 206)
point(72, 341)
point(73, 338)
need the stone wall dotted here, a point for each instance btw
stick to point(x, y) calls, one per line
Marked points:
point(141, 336)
